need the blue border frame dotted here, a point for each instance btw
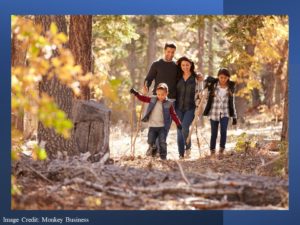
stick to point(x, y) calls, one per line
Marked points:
point(156, 7)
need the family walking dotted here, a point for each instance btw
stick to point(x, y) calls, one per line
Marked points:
point(175, 86)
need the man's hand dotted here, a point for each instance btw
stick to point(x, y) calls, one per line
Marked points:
point(145, 90)
point(133, 91)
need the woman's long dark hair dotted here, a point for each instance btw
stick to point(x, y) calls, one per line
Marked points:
point(184, 58)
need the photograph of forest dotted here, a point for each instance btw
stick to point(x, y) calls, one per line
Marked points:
point(149, 112)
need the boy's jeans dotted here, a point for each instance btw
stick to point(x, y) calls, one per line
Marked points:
point(158, 134)
point(167, 131)
point(214, 132)
point(186, 119)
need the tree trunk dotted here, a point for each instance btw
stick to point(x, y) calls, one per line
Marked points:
point(285, 124)
point(201, 39)
point(279, 72)
point(268, 83)
point(132, 65)
point(62, 95)
point(210, 48)
point(241, 102)
point(151, 51)
point(18, 57)
point(255, 98)
point(80, 42)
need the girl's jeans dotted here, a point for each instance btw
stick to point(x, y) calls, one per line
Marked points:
point(214, 132)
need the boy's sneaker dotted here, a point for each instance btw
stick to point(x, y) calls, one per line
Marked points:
point(149, 151)
point(181, 157)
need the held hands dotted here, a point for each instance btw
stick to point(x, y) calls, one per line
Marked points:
point(133, 91)
point(199, 77)
point(234, 121)
point(145, 90)
point(179, 126)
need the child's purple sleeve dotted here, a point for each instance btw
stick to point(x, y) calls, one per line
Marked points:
point(143, 98)
point(174, 116)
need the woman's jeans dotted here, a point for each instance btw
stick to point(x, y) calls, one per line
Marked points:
point(186, 119)
point(214, 132)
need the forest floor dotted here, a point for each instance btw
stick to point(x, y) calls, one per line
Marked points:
point(245, 179)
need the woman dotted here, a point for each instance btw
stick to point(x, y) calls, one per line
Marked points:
point(185, 102)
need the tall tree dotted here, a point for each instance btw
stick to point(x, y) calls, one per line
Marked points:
point(279, 72)
point(210, 46)
point(285, 124)
point(201, 42)
point(268, 83)
point(18, 57)
point(242, 34)
point(132, 65)
point(152, 40)
point(62, 95)
point(80, 42)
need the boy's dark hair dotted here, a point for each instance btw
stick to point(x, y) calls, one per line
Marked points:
point(162, 86)
point(170, 45)
point(184, 58)
point(224, 71)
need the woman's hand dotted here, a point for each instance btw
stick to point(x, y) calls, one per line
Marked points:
point(199, 77)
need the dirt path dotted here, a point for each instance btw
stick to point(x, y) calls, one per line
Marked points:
point(240, 180)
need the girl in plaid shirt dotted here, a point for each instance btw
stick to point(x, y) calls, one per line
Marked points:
point(220, 106)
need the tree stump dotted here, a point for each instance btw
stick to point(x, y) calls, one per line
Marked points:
point(91, 129)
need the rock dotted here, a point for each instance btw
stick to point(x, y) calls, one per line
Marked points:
point(91, 129)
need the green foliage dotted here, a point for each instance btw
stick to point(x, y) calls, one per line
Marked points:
point(281, 166)
point(46, 57)
point(254, 42)
point(15, 189)
point(39, 153)
point(111, 36)
point(244, 142)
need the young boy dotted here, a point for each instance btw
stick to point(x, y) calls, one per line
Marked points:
point(159, 113)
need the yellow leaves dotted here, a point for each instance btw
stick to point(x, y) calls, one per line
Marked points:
point(39, 153)
point(233, 77)
point(15, 155)
point(53, 29)
point(245, 142)
point(15, 189)
point(51, 116)
point(62, 37)
point(109, 92)
point(93, 201)
point(252, 84)
point(46, 56)
point(56, 62)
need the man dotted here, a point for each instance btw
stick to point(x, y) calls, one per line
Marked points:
point(164, 71)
